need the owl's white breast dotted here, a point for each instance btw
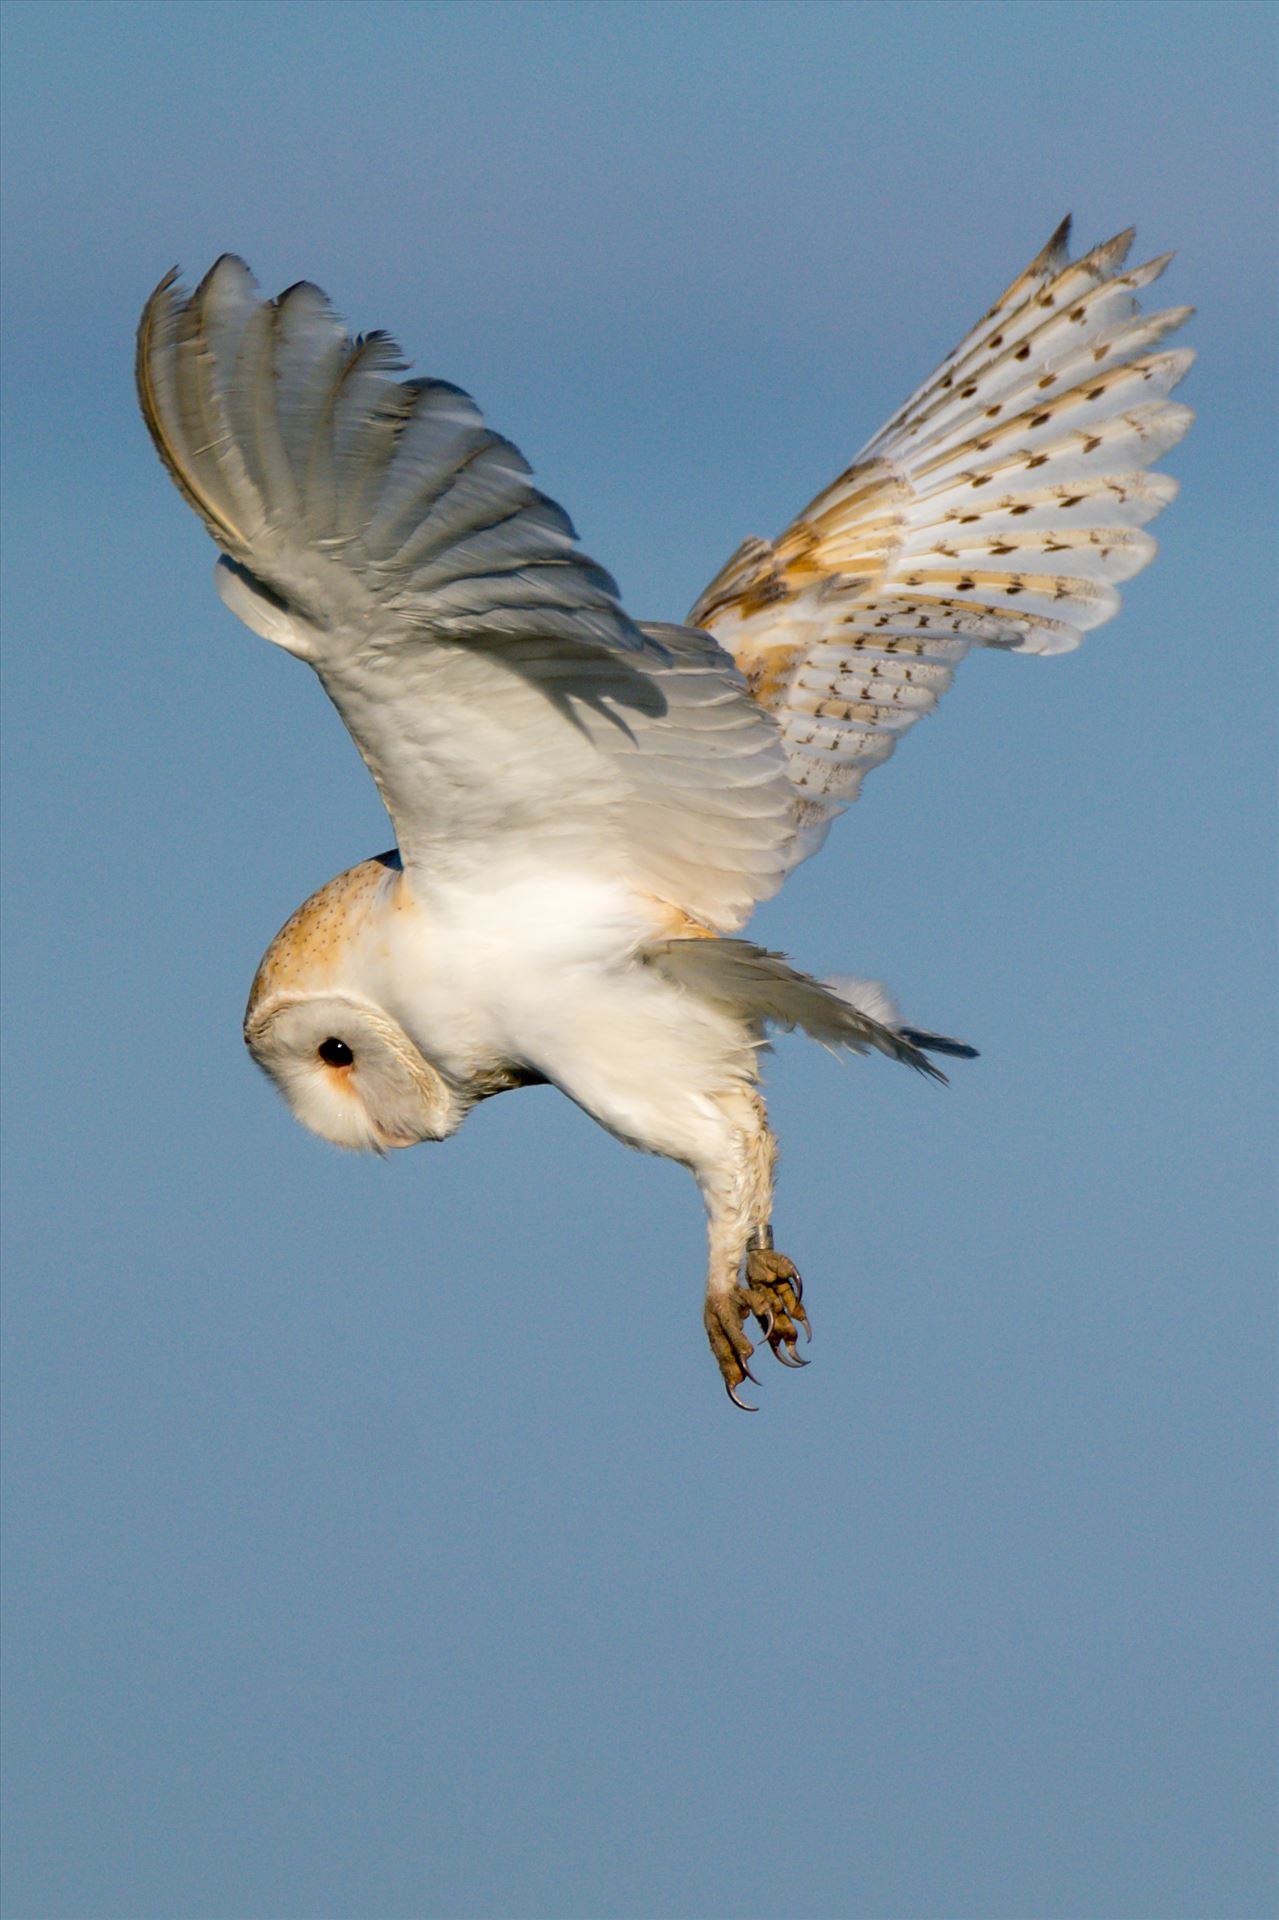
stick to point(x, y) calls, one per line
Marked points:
point(496, 968)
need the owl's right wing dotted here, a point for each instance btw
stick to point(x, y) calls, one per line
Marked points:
point(511, 714)
point(999, 507)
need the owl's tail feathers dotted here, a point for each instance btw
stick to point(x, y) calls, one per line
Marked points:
point(766, 990)
point(938, 1043)
point(872, 997)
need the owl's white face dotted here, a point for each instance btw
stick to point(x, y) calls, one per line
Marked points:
point(348, 1072)
point(347, 1068)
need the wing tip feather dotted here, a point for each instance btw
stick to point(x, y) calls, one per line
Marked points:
point(226, 263)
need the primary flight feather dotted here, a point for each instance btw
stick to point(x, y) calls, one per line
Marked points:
point(587, 808)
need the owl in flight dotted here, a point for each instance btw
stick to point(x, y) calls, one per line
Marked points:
point(587, 807)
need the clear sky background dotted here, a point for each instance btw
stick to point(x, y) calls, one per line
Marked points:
point(381, 1545)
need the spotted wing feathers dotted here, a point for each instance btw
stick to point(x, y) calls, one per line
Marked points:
point(1001, 506)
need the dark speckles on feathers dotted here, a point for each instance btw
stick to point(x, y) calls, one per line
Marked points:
point(1063, 344)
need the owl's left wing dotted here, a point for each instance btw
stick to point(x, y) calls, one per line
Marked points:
point(1001, 506)
point(506, 706)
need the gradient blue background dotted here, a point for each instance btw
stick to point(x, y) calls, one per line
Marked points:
point(380, 1543)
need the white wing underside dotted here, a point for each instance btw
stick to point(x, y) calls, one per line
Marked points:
point(504, 703)
point(999, 507)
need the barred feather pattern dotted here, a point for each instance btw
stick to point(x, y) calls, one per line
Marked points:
point(1001, 506)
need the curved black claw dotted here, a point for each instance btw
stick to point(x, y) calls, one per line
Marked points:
point(774, 1292)
point(724, 1318)
point(770, 1292)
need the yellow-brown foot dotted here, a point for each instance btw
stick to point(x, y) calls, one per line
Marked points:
point(774, 1294)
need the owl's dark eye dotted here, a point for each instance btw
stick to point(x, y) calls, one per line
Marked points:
point(335, 1053)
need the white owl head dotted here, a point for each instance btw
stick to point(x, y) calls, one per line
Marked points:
point(348, 1072)
point(347, 1069)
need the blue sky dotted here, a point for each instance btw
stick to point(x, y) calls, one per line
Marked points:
point(379, 1542)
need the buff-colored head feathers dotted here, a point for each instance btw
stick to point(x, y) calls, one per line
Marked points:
point(347, 1069)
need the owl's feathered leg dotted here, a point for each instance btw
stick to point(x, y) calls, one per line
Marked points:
point(666, 1055)
point(747, 1276)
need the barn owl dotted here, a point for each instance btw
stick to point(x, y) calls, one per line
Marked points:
point(587, 808)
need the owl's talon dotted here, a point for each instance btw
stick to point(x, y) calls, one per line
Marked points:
point(724, 1317)
point(773, 1293)
point(769, 1294)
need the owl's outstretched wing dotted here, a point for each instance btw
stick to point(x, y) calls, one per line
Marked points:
point(999, 507)
point(507, 708)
